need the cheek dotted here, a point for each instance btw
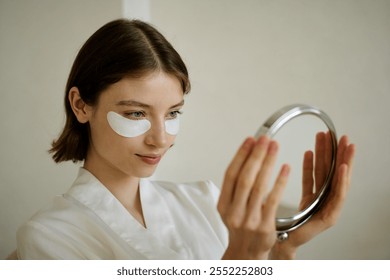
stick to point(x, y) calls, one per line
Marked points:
point(107, 141)
point(117, 149)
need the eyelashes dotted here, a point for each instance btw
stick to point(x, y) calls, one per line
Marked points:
point(174, 114)
point(138, 115)
point(135, 115)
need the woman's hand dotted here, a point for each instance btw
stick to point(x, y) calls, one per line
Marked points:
point(245, 206)
point(331, 209)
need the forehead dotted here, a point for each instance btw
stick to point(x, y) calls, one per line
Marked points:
point(154, 89)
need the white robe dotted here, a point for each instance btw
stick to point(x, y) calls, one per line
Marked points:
point(88, 222)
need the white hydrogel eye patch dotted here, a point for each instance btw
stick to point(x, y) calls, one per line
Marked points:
point(172, 126)
point(126, 127)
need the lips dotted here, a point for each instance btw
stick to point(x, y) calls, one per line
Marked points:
point(150, 158)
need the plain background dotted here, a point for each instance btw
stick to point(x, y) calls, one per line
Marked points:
point(246, 59)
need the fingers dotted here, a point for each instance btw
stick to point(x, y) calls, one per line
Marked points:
point(342, 187)
point(251, 233)
point(345, 155)
point(232, 173)
point(256, 162)
point(349, 156)
point(320, 165)
point(274, 197)
point(260, 186)
point(341, 182)
point(307, 174)
point(330, 211)
point(246, 182)
point(328, 151)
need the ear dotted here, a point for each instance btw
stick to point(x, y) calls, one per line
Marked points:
point(81, 110)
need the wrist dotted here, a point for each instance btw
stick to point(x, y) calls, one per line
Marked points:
point(237, 254)
point(282, 251)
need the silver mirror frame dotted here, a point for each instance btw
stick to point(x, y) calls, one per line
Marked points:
point(270, 128)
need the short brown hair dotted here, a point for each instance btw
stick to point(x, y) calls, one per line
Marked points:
point(119, 49)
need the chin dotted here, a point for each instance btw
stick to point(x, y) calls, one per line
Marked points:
point(145, 173)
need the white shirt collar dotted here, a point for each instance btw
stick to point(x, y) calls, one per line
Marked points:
point(158, 241)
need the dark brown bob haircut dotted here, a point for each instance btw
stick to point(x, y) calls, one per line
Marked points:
point(121, 48)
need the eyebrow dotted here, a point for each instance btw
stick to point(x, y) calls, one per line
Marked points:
point(143, 105)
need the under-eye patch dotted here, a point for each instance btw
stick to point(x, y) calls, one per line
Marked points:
point(132, 128)
point(172, 126)
point(126, 127)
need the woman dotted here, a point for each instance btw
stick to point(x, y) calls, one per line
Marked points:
point(123, 101)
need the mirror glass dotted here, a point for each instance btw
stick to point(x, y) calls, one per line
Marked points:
point(295, 138)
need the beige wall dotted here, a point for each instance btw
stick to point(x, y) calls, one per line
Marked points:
point(38, 41)
point(246, 59)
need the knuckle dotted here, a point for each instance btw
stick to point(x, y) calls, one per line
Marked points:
point(256, 191)
point(265, 229)
point(233, 222)
point(251, 224)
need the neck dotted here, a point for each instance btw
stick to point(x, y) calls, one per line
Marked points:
point(124, 187)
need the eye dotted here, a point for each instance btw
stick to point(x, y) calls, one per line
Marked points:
point(174, 114)
point(135, 115)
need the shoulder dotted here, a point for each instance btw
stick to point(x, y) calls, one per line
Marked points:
point(62, 209)
point(55, 232)
point(36, 235)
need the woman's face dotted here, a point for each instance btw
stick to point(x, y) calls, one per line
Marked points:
point(154, 100)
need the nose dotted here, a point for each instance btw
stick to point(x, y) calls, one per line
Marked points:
point(157, 136)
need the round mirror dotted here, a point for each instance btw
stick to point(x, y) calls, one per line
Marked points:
point(308, 143)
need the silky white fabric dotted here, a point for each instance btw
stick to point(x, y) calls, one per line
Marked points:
point(88, 222)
